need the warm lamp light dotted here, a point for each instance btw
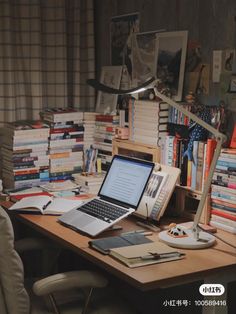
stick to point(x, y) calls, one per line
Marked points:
point(194, 238)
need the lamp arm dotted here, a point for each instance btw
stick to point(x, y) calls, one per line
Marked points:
point(110, 90)
point(207, 184)
point(220, 138)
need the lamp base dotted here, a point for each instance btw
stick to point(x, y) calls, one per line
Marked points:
point(188, 241)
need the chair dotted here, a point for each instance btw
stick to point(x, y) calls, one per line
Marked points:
point(69, 292)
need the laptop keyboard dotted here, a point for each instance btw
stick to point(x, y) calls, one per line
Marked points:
point(102, 210)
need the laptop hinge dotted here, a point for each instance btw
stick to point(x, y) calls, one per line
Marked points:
point(114, 202)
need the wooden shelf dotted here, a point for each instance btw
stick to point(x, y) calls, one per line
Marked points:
point(136, 150)
point(187, 201)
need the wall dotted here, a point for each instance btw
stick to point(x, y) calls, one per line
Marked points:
point(211, 22)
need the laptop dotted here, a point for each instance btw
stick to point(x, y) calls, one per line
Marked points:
point(118, 197)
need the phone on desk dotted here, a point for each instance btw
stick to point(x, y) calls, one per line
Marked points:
point(158, 192)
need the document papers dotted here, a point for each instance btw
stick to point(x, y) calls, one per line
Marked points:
point(46, 205)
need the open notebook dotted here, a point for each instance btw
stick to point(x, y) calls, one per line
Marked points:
point(46, 204)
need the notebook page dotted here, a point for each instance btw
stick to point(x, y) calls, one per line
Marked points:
point(61, 205)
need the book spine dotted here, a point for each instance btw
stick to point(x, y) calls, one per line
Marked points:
point(183, 163)
point(223, 197)
point(216, 188)
point(211, 144)
point(223, 226)
point(223, 220)
point(223, 214)
point(226, 168)
point(200, 155)
point(194, 166)
point(233, 138)
point(226, 162)
point(68, 130)
point(169, 150)
point(189, 174)
point(224, 184)
point(222, 203)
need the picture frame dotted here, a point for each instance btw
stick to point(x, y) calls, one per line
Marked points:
point(172, 47)
point(107, 103)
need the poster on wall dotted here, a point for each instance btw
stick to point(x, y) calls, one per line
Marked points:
point(121, 29)
point(171, 57)
point(144, 57)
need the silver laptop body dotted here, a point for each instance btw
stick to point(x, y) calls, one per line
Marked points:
point(120, 194)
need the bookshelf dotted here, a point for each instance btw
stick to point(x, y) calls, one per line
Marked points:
point(186, 203)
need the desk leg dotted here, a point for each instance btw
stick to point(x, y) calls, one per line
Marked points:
point(222, 279)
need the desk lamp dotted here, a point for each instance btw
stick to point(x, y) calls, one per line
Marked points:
point(180, 237)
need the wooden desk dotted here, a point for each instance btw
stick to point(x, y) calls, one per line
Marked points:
point(198, 264)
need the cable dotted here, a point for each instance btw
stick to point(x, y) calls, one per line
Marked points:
point(219, 238)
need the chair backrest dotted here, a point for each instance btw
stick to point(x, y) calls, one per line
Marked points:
point(13, 296)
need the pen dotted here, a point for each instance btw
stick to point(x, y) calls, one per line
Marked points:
point(46, 205)
point(143, 232)
point(162, 255)
point(133, 232)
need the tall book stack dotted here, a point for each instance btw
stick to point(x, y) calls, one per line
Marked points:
point(89, 183)
point(105, 126)
point(25, 160)
point(148, 121)
point(89, 129)
point(66, 142)
point(223, 192)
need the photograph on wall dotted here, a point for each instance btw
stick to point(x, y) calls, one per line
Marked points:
point(110, 76)
point(172, 48)
point(121, 29)
point(144, 57)
point(228, 61)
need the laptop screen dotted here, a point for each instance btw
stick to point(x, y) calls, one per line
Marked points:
point(126, 180)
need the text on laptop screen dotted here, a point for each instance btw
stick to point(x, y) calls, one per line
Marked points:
point(125, 180)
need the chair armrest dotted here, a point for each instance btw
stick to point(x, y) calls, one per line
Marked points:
point(29, 244)
point(69, 280)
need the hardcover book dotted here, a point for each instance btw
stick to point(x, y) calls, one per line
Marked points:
point(104, 245)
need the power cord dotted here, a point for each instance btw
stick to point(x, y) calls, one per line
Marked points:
point(219, 238)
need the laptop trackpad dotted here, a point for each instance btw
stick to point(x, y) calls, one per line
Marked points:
point(84, 220)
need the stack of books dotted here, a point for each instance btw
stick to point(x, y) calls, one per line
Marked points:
point(90, 183)
point(25, 160)
point(148, 121)
point(223, 192)
point(89, 129)
point(105, 126)
point(66, 142)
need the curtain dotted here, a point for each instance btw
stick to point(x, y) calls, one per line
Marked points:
point(46, 56)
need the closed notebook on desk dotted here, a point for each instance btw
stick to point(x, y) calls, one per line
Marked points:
point(145, 254)
point(104, 245)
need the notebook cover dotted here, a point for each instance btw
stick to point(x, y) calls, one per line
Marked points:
point(104, 245)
